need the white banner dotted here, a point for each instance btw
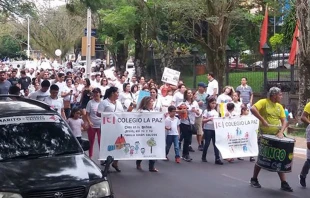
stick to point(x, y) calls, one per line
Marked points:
point(171, 76)
point(132, 136)
point(236, 137)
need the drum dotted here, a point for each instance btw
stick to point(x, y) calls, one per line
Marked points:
point(276, 154)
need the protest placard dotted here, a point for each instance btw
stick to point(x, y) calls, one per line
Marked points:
point(236, 137)
point(171, 76)
point(132, 136)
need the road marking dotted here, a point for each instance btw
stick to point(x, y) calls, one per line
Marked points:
point(235, 178)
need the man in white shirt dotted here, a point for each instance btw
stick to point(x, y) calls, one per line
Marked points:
point(55, 102)
point(213, 86)
point(60, 83)
point(42, 93)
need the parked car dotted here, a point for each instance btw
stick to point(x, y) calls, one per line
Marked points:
point(40, 157)
point(274, 64)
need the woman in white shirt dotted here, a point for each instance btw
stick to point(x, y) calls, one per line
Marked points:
point(185, 126)
point(157, 100)
point(111, 103)
point(146, 105)
point(126, 97)
point(223, 99)
point(104, 85)
point(237, 103)
point(68, 96)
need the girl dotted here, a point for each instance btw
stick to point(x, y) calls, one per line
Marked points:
point(245, 112)
point(209, 133)
point(223, 99)
point(76, 123)
point(146, 105)
point(104, 85)
point(85, 97)
point(237, 103)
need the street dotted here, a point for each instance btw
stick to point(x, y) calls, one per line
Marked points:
point(200, 180)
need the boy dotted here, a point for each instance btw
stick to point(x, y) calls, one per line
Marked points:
point(173, 132)
point(305, 169)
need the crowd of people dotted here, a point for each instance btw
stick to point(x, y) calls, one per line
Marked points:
point(79, 100)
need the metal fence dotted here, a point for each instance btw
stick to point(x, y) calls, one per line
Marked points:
point(278, 71)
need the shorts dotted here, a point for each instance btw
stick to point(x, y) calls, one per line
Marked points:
point(198, 125)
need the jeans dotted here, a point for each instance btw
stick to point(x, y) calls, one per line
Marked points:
point(91, 137)
point(175, 140)
point(305, 168)
point(187, 136)
point(151, 164)
point(210, 135)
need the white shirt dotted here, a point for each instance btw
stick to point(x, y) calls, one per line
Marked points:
point(208, 114)
point(178, 98)
point(69, 97)
point(76, 126)
point(223, 98)
point(172, 123)
point(157, 106)
point(103, 89)
point(39, 95)
point(56, 104)
point(91, 109)
point(126, 98)
point(211, 86)
point(237, 109)
point(107, 106)
point(61, 86)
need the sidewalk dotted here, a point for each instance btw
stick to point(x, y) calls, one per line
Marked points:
point(300, 146)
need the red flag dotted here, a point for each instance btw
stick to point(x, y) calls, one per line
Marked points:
point(263, 32)
point(294, 47)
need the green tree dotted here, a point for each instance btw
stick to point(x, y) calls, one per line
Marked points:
point(55, 29)
point(9, 47)
point(303, 16)
point(151, 143)
point(276, 41)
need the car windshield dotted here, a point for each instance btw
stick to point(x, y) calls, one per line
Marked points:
point(35, 139)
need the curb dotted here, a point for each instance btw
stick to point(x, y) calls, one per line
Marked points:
point(300, 151)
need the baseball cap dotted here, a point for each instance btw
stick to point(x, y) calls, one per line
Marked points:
point(202, 84)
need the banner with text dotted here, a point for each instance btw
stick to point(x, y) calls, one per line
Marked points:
point(236, 137)
point(132, 136)
point(171, 76)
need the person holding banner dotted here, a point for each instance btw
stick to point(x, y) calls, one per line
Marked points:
point(271, 114)
point(209, 132)
point(126, 97)
point(111, 103)
point(157, 102)
point(187, 123)
point(146, 105)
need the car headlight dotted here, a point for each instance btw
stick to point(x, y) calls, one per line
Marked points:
point(9, 195)
point(99, 190)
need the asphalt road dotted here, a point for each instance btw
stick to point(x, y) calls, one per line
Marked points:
point(198, 179)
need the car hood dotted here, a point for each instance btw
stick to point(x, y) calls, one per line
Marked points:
point(49, 171)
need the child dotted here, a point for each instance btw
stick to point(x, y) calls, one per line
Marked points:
point(173, 132)
point(208, 129)
point(245, 112)
point(230, 110)
point(76, 123)
point(237, 103)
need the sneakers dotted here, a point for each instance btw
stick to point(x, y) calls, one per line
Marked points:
point(286, 187)
point(254, 183)
point(218, 162)
point(204, 159)
point(252, 159)
point(200, 148)
point(302, 181)
point(187, 158)
point(177, 160)
point(190, 149)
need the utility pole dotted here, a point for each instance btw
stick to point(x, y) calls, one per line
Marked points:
point(28, 39)
point(88, 49)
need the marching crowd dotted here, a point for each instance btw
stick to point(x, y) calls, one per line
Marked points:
point(79, 100)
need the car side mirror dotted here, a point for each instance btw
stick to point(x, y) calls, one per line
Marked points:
point(85, 144)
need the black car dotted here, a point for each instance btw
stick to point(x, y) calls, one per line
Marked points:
point(40, 157)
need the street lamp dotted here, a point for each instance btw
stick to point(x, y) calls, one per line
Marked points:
point(228, 50)
point(179, 51)
point(266, 49)
point(194, 52)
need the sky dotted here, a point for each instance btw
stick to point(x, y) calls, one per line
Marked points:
point(47, 3)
